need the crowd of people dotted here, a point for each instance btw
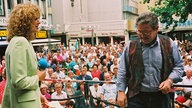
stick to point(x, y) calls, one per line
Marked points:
point(66, 66)
point(97, 63)
point(70, 67)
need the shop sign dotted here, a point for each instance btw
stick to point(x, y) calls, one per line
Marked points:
point(41, 34)
point(73, 35)
point(3, 22)
point(3, 33)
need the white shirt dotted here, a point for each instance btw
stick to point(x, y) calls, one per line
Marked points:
point(96, 92)
point(59, 75)
point(187, 81)
point(55, 95)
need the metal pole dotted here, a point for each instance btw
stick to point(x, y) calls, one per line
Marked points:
point(49, 40)
point(92, 38)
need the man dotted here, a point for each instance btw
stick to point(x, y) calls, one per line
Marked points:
point(59, 73)
point(108, 91)
point(59, 94)
point(84, 75)
point(149, 65)
point(187, 80)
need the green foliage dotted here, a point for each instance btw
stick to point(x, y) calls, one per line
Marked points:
point(171, 11)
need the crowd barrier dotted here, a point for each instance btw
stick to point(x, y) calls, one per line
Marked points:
point(87, 94)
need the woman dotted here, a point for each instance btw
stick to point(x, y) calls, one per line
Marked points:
point(22, 87)
point(68, 88)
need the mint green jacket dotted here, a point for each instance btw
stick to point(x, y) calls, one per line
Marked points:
point(22, 89)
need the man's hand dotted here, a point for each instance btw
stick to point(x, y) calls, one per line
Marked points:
point(121, 99)
point(165, 86)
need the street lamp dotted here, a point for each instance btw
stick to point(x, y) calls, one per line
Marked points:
point(91, 28)
point(48, 28)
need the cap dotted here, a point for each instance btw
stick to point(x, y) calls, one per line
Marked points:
point(76, 67)
point(43, 86)
point(95, 79)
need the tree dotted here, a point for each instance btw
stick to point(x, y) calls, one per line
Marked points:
point(171, 12)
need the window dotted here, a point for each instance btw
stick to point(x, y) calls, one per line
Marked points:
point(2, 8)
point(43, 9)
point(9, 6)
point(49, 3)
point(36, 2)
point(19, 1)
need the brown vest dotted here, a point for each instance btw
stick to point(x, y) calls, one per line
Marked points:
point(135, 65)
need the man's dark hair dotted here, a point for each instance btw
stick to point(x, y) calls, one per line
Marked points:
point(70, 103)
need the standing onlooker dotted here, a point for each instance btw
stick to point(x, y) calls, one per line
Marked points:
point(22, 84)
point(148, 66)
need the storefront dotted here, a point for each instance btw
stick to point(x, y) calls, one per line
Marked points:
point(98, 32)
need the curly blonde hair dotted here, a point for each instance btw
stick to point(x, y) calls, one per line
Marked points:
point(21, 21)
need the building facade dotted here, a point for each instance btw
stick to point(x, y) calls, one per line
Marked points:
point(94, 21)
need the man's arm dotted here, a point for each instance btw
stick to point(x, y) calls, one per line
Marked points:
point(121, 81)
point(178, 69)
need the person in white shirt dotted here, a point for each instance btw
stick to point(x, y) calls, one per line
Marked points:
point(96, 91)
point(59, 94)
point(187, 80)
point(109, 92)
point(59, 73)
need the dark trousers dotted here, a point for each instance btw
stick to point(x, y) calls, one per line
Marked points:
point(147, 100)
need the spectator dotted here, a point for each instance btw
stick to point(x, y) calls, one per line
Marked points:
point(187, 80)
point(72, 77)
point(2, 84)
point(109, 92)
point(95, 72)
point(96, 91)
point(115, 64)
point(98, 62)
point(80, 102)
point(59, 73)
point(77, 70)
point(104, 70)
point(84, 75)
point(87, 71)
point(43, 89)
point(114, 73)
point(70, 104)
point(59, 94)
point(70, 90)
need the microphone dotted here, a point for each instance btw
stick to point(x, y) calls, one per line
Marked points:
point(42, 64)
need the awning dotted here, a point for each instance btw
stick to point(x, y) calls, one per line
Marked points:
point(3, 43)
point(37, 42)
